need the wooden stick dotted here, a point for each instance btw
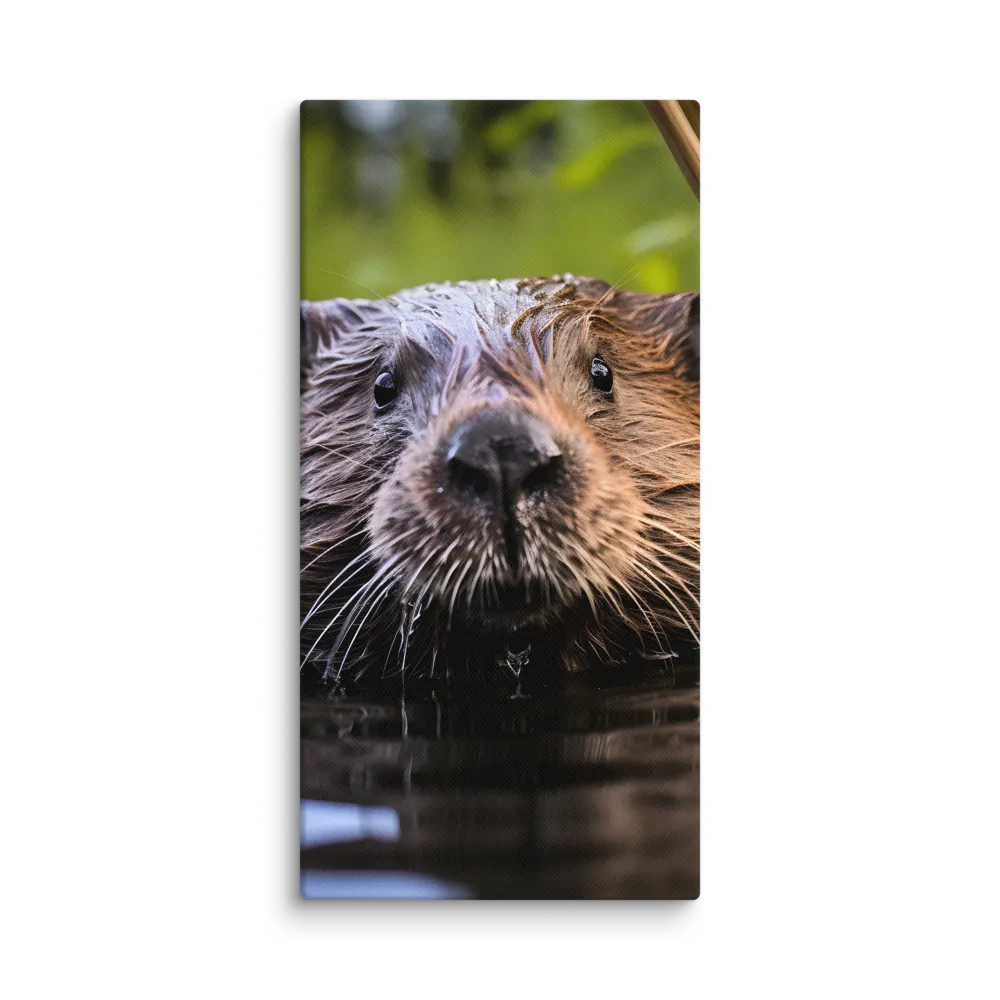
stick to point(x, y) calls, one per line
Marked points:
point(692, 111)
point(679, 123)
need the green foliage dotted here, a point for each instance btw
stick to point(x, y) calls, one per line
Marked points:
point(514, 128)
point(594, 163)
point(547, 187)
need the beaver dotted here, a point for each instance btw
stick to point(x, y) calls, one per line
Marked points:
point(497, 474)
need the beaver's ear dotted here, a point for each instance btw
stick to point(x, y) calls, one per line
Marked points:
point(322, 324)
point(673, 320)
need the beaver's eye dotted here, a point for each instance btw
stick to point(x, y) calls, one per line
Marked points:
point(600, 374)
point(385, 389)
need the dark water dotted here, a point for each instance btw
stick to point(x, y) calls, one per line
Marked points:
point(588, 790)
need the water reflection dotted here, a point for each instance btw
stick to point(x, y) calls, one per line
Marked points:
point(332, 822)
point(591, 792)
point(377, 885)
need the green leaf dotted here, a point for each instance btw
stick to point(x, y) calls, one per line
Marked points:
point(658, 273)
point(661, 234)
point(588, 168)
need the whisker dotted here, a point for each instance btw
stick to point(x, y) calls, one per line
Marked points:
point(330, 588)
point(664, 591)
point(330, 548)
point(670, 531)
point(373, 605)
point(454, 596)
point(358, 593)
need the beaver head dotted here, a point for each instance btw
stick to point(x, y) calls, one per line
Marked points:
point(498, 472)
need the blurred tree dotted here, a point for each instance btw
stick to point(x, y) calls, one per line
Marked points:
point(397, 193)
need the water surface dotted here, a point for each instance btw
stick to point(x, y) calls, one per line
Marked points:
point(589, 789)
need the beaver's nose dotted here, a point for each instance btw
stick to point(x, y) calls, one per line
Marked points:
point(500, 454)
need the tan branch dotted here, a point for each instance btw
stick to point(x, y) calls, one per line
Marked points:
point(679, 123)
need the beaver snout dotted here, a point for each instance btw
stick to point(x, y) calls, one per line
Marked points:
point(498, 455)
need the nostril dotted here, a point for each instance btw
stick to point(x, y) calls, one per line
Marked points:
point(475, 481)
point(543, 475)
point(501, 455)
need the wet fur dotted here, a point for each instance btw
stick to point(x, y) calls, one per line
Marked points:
point(397, 576)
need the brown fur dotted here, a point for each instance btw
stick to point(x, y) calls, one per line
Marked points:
point(399, 574)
